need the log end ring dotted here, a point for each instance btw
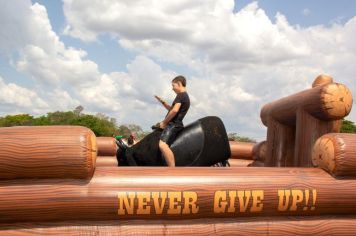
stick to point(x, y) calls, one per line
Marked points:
point(323, 154)
point(336, 100)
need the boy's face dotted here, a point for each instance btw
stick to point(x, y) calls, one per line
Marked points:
point(176, 87)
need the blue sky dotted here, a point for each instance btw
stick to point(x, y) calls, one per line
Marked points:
point(237, 55)
point(320, 11)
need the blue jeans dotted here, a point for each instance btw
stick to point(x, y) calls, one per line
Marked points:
point(170, 133)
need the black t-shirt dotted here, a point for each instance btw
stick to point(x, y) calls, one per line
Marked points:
point(183, 99)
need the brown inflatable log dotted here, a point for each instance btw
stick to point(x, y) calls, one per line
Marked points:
point(259, 151)
point(297, 121)
point(308, 130)
point(280, 144)
point(241, 150)
point(178, 193)
point(336, 126)
point(336, 153)
point(330, 225)
point(106, 146)
point(257, 164)
point(328, 102)
point(239, 162)
point(105, 161)
point(47, 152)
point(322, 80)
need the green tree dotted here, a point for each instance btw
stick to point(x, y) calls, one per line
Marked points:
point(348, 126)
point(16, 120)
point(42, 120)
point(123, 130)
point(61, 118)
point(137, 130)
point(235, 137)
point(101, 127)
point(100, 124)
point(78, 110)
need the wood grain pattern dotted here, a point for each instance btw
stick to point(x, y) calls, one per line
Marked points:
point(336, 126)
point(47, 152)
point(328, 102)
point(239, 162)
point(336, 153)
point(106, 146)
point(337, 100)
point(322, 80)
point(283, 226)
point(257, 164)
point(241, 150)
point(60, 200)
point(259, 151)
point(295, 122)
point(308, 130)
point(105, 161)
point(280, 144)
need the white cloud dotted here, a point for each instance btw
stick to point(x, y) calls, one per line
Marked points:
point(63, 75)
point(65, 78)
point(61, 100)
point(12, 95)
point(242, 59)
point(182, 32)
point(46, 59)
point(130, 94)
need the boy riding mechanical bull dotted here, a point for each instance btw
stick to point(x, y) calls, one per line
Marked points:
point(201, 143)
point(173, 122)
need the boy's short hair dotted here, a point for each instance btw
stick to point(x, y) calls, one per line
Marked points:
point(180, 78)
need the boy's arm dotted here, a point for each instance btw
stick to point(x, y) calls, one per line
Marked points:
point(166, 105)
point(170, 115)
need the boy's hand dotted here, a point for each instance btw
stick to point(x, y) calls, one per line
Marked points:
point(162, 125)
point(159, 99)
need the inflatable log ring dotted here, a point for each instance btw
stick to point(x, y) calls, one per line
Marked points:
point(259, 151)
point(241, 150)
point(103, 161)
point(282, 226)
point(335, 153)
point(128, 193)
point(106, 146)
point(239, 162)
point(47, 152)
point(202, 143)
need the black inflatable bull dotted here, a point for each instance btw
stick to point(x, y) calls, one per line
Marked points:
point(202, 143)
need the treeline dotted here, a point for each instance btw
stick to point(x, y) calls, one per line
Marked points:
point(103, 125)
point(236, 137)
point(348, 127)
point(100, 124)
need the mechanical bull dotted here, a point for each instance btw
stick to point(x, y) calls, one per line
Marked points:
point(201, 143)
